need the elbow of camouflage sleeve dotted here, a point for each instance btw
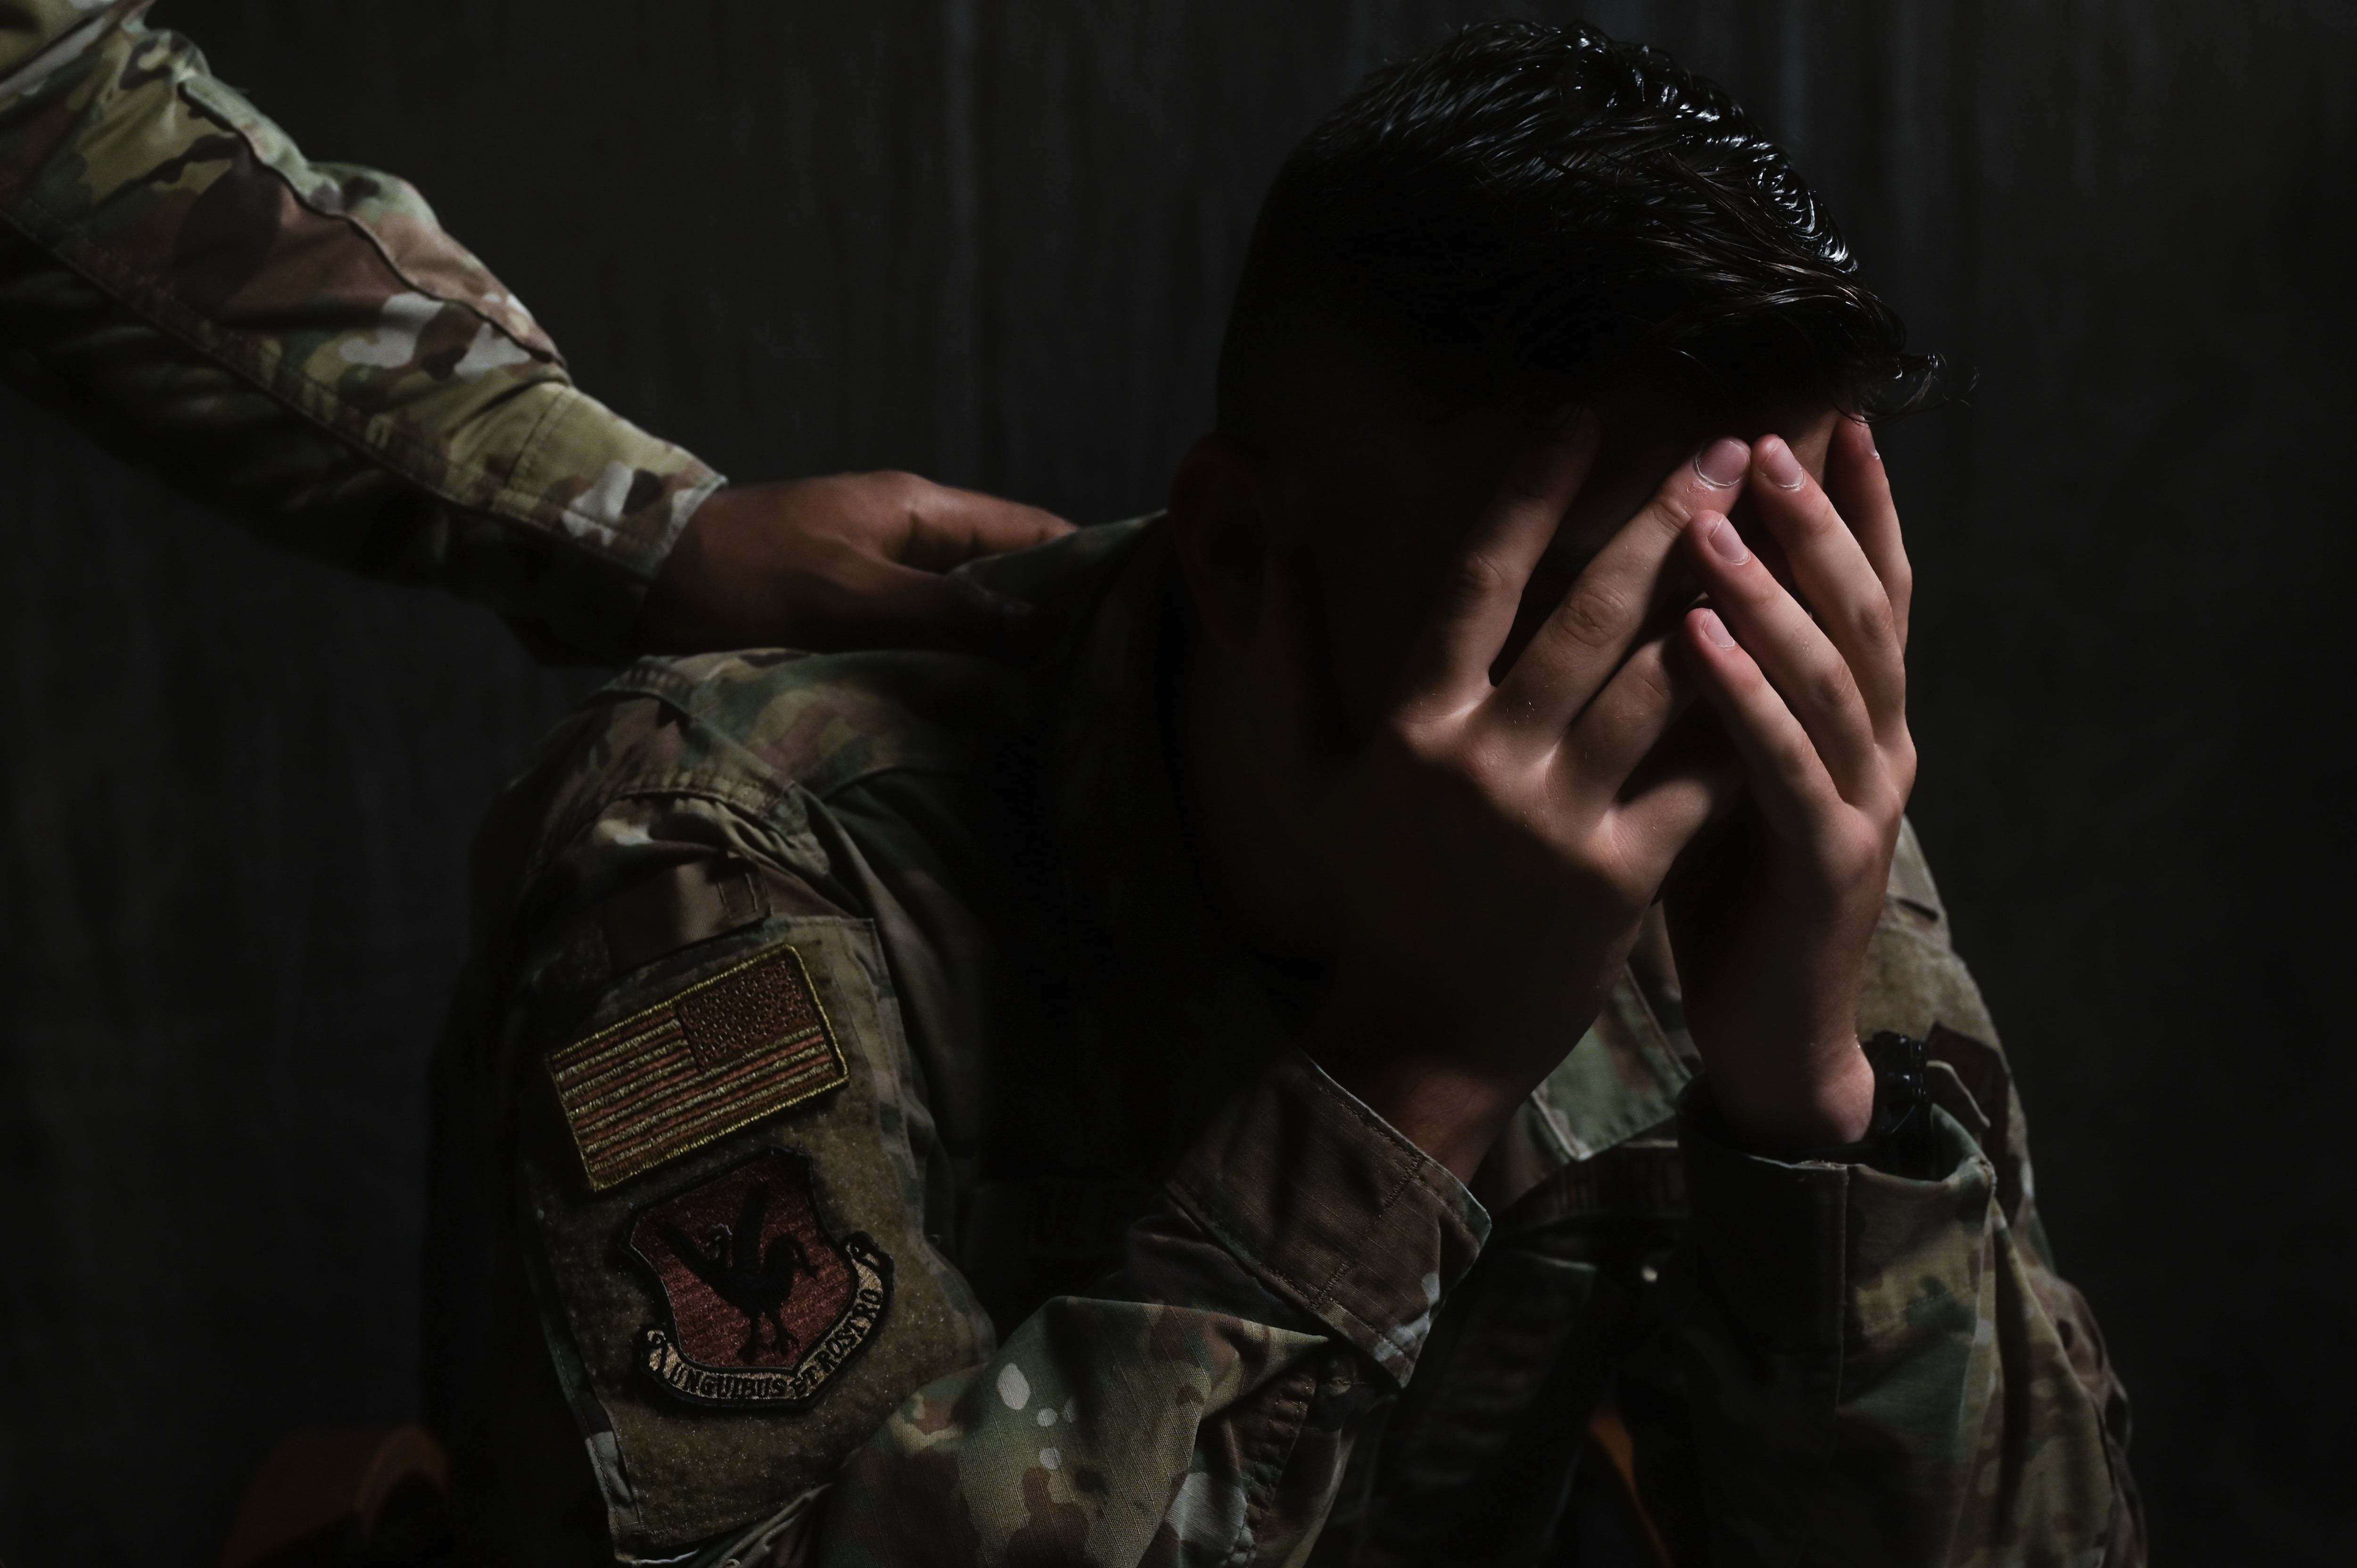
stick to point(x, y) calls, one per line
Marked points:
point(332, 368)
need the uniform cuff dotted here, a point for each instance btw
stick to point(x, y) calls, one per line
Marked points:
point(1810, 1258)
point(617, 496)
point(1333, 1209)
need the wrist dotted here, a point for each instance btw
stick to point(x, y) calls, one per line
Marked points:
point(1452, 1114)
point(673, 616)
point(1827, 1101)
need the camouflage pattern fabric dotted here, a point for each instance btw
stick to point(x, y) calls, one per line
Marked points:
point(300, 343)
point(1163, 1292)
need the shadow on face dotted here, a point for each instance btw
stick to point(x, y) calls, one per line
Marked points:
point(1384, 499)
point(1389, 519)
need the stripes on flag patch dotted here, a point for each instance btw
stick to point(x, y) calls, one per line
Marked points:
point(719, 1056)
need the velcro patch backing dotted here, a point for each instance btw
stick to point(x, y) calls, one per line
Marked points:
point(719, 1056)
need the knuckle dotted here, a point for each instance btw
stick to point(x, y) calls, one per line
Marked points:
point(1667, 513)
point(1875, 620)
point(1810, 515)
point(1667, 516)
point(1479, 577)
point(1591, 616)
point(1788, 749)
point(899, 480)
point(1423, 745)
point(896, 490)
point(1460, 761)
point(1654, 685)
point(1833, 687)
point(1903, 764)
point(1480, 767)
point(1838, 860)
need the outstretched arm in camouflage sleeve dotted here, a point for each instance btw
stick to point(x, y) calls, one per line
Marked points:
point(1880, 1366)
point(303, 345)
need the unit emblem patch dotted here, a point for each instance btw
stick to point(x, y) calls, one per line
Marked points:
point(765, 1307)
point(719, 1056)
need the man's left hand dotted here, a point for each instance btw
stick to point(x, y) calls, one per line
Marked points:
point(1769, 926)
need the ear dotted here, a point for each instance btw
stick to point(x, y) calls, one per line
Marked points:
point(1223, 520)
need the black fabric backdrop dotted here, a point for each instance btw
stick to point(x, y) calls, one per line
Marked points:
point(993, 242)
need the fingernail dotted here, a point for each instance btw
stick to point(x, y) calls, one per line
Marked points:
point(1724, 542)
point(1783, 469)
point(1722, 463)
point(1713, 628)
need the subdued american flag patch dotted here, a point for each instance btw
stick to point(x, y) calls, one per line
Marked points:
point(721, 1055)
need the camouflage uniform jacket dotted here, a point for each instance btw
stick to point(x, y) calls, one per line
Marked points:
point(896, 1163)
point(300, 343)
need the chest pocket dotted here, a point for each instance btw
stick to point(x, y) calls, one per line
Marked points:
point(723, 1227)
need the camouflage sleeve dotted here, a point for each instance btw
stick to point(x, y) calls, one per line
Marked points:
point(1861, 1368)
point(1200, 1409)
point(1197, 1406)
point(300, 343)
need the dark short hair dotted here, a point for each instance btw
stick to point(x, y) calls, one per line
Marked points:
point(1542, 208)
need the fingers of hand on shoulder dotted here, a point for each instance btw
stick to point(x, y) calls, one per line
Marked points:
point(949, 526)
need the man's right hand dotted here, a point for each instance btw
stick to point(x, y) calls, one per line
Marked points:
point(845, 561)
point(1486, 855)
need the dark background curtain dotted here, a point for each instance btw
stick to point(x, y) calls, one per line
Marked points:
point(992, 241)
